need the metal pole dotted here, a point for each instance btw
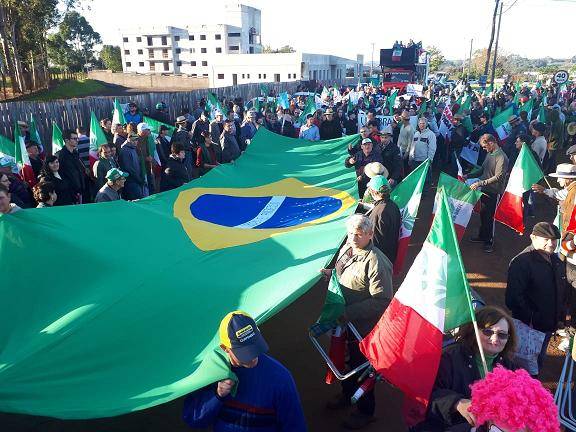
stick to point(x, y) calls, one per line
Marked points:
point(496, 49)
point(470, 60)
point(372, 60)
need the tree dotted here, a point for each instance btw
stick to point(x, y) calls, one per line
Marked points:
point(111, 57)
point(489, 50)
point(72, 46)
point(436, 58)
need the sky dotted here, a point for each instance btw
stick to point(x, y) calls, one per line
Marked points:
point(530, 28)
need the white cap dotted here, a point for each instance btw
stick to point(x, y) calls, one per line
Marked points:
point(143, 126)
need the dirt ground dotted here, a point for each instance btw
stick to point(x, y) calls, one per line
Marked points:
point(287, 336)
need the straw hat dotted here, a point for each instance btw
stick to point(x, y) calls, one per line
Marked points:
point(375, 168)
point(571, 128)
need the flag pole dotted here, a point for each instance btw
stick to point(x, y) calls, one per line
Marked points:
point(468, 297)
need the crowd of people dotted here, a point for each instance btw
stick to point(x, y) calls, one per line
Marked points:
point(540, 284)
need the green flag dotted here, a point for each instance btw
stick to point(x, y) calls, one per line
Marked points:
point(97, 138)
point(264, 90)
point(137, 327)
point(118, 114)
point(256, 104)
point(392, 101)
point(528, 107)
point(155, 126)
point(6, 147)
point(423, 108)
point(34, 134)
point(213, 105)
point(334, 304)
point(57, 139)
point(464, 104)
point(309, 108)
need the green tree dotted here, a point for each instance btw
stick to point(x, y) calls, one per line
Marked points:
point(111, 57)
point(285, 49)
point(436, 58)
point(73, 45)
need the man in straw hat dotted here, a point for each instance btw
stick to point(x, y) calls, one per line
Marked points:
point(571, 138)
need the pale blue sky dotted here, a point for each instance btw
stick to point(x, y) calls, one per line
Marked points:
point(531, 28)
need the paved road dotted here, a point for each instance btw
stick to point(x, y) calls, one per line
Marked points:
point(287, 337)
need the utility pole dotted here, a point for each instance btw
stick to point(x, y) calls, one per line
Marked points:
point(469, 61)
point(372, 61)
point(496, 50)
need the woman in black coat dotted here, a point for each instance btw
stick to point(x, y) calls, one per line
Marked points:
point(49, 173)
point(460, 366)
point(176, 172)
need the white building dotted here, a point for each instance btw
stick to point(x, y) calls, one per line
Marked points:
point(191, 50)
point(280, 67)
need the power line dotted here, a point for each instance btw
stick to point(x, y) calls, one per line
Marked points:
point(510, 7)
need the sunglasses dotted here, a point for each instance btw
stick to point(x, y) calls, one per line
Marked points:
point(501, 335)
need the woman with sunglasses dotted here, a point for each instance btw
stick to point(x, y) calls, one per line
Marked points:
point(461, 366)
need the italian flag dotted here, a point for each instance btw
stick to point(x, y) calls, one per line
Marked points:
point(461, 200)
point(22, 159)
point(35, 135)
point(407, 196)
point(97, 138)
point(406, 345)
point(118, 114)
point(500, 123)
point(526, 172)
point(57, 138)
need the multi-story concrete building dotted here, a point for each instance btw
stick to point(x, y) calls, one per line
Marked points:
point(191, 50)
point(227, 54)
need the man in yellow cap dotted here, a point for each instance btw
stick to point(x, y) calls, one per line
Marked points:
point(266, 398)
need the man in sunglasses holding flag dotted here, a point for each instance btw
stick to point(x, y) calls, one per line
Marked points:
point(536, 291)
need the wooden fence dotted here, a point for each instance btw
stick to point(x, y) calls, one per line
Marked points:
point(71, 113)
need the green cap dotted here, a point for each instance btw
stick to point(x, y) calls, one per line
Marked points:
point(6, 161)
point(115, 174)
point(379, 183)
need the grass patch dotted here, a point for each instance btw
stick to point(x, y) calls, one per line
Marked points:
point(67, 90)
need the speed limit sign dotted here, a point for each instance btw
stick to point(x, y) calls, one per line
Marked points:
point(561, 77)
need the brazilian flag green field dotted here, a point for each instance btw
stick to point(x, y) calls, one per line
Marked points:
point(114, 307)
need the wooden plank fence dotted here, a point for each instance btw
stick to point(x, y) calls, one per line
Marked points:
point(71, 113)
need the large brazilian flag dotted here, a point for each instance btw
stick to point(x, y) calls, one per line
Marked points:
point(114, 307)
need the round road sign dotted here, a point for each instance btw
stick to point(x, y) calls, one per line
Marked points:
point(561, 77)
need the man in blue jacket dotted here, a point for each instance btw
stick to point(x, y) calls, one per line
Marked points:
point(266, 399)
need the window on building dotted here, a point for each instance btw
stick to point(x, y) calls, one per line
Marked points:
point(218, 50)
point(264, 76)
point(138, 39)
point(192, 63)
point(149, 40)
point(202, 37)
point(125, 39)
point(205, 75)
point(164, 40)
point(166, 66)
point(194, 75)
point(259, 76)
point(218, 37)
point(128, 64)
point(243, 76)
point(127, 52)
point(192, 50)
point(220, 76)
point(204, 63)
point(178, 50)
point(152, 66)
point(178, 63)
point(203, 50)
point(141, 64)
point(234, 48)
point(150, 53)
point(251, 50)
point(233, 34)
point(140, 52)
point(164, 53)
point(248, 76)
point(191, 37)
point(176, 38)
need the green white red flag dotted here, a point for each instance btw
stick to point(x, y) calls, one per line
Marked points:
point(118, 114)
point(461, 200)
point(22, 159)
point(407, 196)
point(526, 172)
point(406, 345)
point(57, 138)
point(97, 138)
point(500, 123)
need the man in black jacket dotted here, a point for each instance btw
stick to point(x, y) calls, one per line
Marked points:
point(391, 158)
point(536, 292)
point(72, 169)
point(330, 128)
point(176, 172)
point(385, 216)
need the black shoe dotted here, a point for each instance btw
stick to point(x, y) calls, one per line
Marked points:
point(357, 420)
point(476, 240)
point(338, 402)
point(488, 247)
